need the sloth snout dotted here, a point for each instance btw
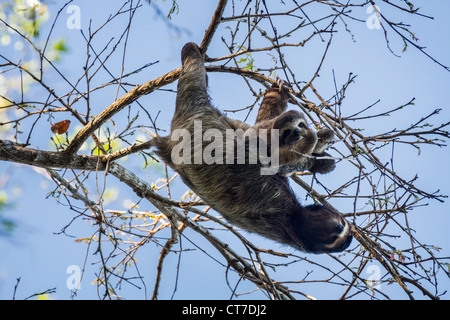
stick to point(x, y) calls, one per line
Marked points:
point(340, 228)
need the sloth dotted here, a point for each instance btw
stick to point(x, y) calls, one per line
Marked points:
point(300, 148)
point(258, 203)
point(309, 153)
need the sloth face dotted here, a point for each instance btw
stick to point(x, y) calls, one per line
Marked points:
point(292, 127)
point(321, 230)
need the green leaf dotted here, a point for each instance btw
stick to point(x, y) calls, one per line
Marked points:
point(60, 45)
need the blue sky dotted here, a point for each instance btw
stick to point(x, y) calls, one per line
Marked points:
point(40, 257)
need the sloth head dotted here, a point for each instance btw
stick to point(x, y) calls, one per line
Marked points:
point(320, 230)
point(292, 126)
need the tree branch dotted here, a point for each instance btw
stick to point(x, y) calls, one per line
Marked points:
point(215, 21)
point(115, 107)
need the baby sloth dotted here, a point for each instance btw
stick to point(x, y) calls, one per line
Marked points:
point(297, 143)
point(300, 148)
point(259, 203)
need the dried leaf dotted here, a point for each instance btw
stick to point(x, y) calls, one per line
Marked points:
point(60, 127)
